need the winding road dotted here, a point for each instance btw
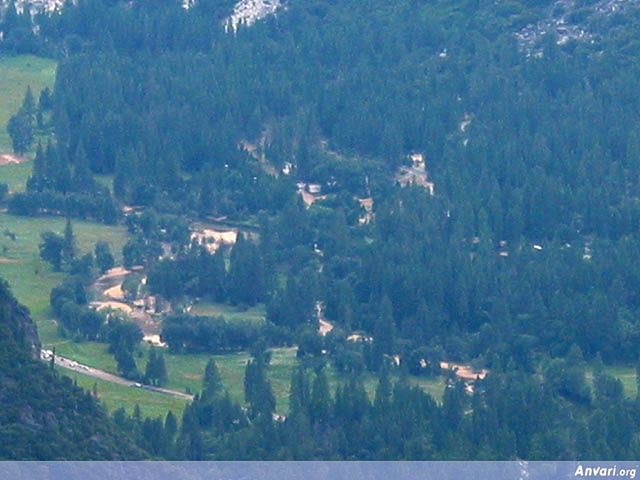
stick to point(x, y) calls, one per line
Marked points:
point(109, 377)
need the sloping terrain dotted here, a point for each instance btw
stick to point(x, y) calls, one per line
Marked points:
point(43, 415)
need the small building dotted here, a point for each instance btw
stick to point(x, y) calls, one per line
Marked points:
point(314, 188)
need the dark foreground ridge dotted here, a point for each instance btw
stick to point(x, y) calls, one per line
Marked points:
point(43, 415)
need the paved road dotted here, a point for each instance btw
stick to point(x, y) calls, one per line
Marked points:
point(109, 377)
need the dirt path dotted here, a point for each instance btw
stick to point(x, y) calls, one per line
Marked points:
point(324, 326)
point(117, 272)
point(8, 159)
point(307, 197)
point(115, 293)
point(109, 294)
point(109, 377)
point(464, 371)
point(123, 307)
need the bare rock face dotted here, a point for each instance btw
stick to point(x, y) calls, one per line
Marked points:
point(34, 6)
point(28, 330)
point(247, 12)
point(558, 20)
point(17, 322)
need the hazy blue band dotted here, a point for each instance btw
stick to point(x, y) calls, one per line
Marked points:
point(317, 470)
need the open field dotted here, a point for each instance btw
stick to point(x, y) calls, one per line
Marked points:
point(106, 180)
point(15, 175)
point(16, 74)
point(627, 375)
point(209, 309)
point(185, 371)
point(115, 396)
point(185, 374)
point(92, 354)
point(31, 279)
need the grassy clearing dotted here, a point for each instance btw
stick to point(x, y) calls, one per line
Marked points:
point(185, 371)
point(106, 180)
point(16, 74)
point(15, 175)
point(115, 396)
point(185, 374)
point(88, 353)
point(210, 309)
point(31, 278)
point(627, 375)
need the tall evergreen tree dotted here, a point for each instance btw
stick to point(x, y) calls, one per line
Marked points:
point(383, 334)
point(69, 248)
point(104, 258)
point(211, 381)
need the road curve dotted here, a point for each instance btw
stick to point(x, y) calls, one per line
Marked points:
point(109, 377)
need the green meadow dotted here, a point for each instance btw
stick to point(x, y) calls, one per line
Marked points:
point(16, 74)
point(31, 279)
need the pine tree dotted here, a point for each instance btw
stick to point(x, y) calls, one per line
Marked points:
point(383, 334)
point(37, 180)
point(51, 249)
point(11, 18)
point(104, 258)
point(319, 405)
point(245, 277)
point(69, 246)
point(20, 129)
point(170, 425)
point(161, 371)
point(382, 401)
point(149, 373)
point(45, 102)
point(82, 179)
point(124, 170)
point(299, 392)
point(258, 392)
point(156, 371)
point(211, 382)
point(29, 105)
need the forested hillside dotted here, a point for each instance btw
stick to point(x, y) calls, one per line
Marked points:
point(423, 177)
point(522, 151)
point(44, 416)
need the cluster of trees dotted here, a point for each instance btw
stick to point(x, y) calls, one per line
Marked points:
point(156, 371)
point(518, 173)
point(198, 334)
point(123, 337)
point(509, 414)
point(69, 302)
point(20, 126)
point(527, 253)
point(18, 36)
point(197, 273)
point(57, 249)
point(59, 185)
point(23, 124)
